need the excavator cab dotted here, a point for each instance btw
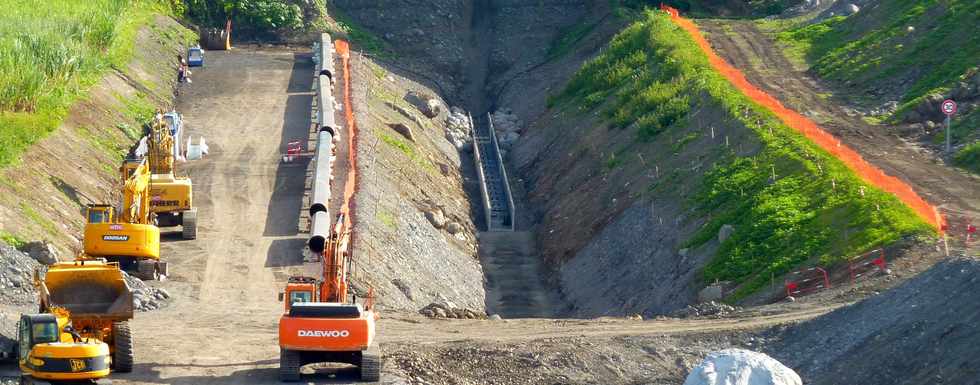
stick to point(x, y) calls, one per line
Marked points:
point(100, 214)
point(298, 290)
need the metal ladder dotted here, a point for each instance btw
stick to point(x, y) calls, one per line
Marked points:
point(496, 192)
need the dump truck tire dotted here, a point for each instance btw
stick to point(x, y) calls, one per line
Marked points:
point(289, 366)
point(122, 358)
point(370, 365)
point(189, 224)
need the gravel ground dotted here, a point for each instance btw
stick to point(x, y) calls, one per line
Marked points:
point(923, 331)
point(16, 281)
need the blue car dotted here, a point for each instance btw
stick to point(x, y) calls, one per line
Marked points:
point(195, 57)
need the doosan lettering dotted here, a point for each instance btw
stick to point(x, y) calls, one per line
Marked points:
point(324, 333)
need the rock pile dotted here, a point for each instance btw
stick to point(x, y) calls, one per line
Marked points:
point(42, 251)
point(459, 129)
point(146, 297)
point(447, 309)
point(427, 105)
point(16, 280)
point(741, 367)
point(705, 309)
point(508, 128)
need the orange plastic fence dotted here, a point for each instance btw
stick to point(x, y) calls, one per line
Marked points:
point(811, 130)
point(343, 49)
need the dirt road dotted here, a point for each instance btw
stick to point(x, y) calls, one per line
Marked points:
point(221, 325)
point(744, 46)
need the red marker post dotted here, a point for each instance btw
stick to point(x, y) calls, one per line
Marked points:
point(949, 108)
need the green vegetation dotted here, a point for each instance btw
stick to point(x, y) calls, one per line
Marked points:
point(650, 78)
point(251, 17)
point(569, 37)
point(408, 150)
point(33, 215)
point(930, 42)
point(51, 52)
point(11, 239)
point(969, 157)
point(388, 219)
point(367, 41)
point(714, 7)
point(613, 162)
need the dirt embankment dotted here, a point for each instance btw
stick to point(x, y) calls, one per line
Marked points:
point(415, 242)
point(922, 332)
point(43, 197)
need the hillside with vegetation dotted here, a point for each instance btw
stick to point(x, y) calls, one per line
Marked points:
point(916, 52)
point(77, 82)
point(51, 52)
point(787, 200)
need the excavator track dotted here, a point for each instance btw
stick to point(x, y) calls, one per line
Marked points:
point(289, 364)
point(370, 365)
point(189, 225)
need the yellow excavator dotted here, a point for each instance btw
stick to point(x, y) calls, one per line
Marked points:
point(129, 237)
point(171, 195)
point(82, 330)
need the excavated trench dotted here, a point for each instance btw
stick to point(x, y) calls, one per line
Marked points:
point(516, 282)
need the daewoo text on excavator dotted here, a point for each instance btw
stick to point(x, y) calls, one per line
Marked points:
point(322, 322)
point(130, 236)
point(82, 330)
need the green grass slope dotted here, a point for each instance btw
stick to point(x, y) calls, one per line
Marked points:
point(715, 8)
point(652, 78)
point(909, 48)
point(51, 52)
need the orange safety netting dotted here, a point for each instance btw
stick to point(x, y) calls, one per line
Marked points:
point(343, 49)
point(808, 128)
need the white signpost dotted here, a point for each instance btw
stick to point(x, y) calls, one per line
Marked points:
point(949, 108)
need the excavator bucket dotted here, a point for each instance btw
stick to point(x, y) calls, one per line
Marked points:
point(88, 289)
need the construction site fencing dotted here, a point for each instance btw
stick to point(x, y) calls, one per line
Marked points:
point(806, 281)
point(867, 264)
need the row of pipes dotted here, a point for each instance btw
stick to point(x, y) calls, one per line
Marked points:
point(328, 132)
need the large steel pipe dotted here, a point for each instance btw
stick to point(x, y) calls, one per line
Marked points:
point(319, 232)
point(326, 118)
point(322, 173)
point(325, 53)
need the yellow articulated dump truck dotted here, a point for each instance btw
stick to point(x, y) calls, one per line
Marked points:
point(130, 236)
point(171, 195)
point(82, 331)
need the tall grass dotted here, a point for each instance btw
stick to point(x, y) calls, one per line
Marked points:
point(51, 51)
point(650, 78)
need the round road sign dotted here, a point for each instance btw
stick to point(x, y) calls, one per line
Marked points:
point(949, 107)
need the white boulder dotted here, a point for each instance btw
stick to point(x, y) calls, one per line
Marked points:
point(741, 367)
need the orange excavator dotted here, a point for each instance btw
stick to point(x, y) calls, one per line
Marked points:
point(323, 321)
